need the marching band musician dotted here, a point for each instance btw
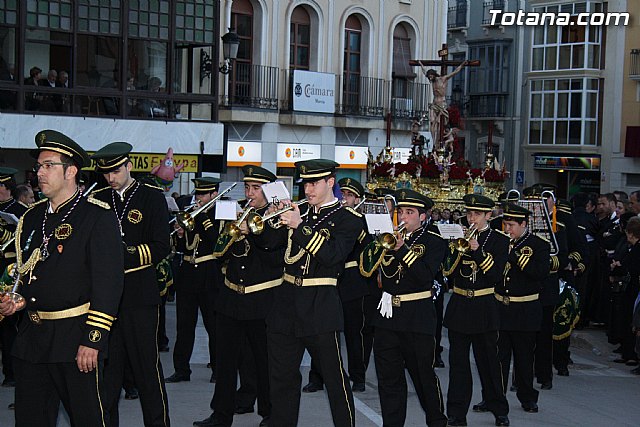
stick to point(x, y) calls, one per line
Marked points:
point(472, 316)
point(518, 293)
point(550, 291)
point(254, 264)
point(307, 312)
point(71, 289)
point(8, 326)
point(353, 287)
point(141, 211)
point(405, 325)
point(573, 273)
point(198, 282)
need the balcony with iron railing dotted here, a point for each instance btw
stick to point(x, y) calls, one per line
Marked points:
point(363, 96)
point(486, 105)
point(634, 66)
point(491, 5)
point(252, 86)
point(457, 17)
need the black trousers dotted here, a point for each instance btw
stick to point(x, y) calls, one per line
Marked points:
point(40, 387)
point(522, 345)
point(354, 325)
point(439, 305)
point(163, 339)
point(561, 353)
point(8, 332)
point(285, 355)
point(229, 332)
point(544, 347)
point(133, 341)
point(196, 289)
point(247, 394)
point(368, 332)
point(485, 352)
point(395, 350)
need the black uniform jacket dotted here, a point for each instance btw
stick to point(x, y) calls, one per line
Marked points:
point(351, 284)
point(85, 265)
point(476, 270)
point(550, 291)
point(198, 244)
point(524, 274)
point(143, 215)
point(411, 269)
point(252, 260)
point(317, 249)
point(576, 243)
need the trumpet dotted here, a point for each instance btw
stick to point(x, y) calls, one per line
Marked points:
point(462, 244)
point(256, 222)
point(233, 228)
point(186, 219)
point(389, 240)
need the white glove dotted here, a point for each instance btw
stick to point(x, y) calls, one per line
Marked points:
point(385, 306)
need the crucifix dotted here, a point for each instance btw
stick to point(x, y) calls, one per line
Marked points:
point(438, 113)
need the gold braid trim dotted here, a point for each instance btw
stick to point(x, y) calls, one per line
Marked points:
point(287, 254)
point(97, 202)
point(455, 263)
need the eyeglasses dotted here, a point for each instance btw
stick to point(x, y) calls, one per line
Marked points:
point(47, 166)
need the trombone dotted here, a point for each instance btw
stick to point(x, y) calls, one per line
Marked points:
point(462, 244)
point(389, 240)
point(186, 219)
point(256, 221)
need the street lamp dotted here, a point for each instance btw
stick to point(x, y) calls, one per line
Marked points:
point(230, 44)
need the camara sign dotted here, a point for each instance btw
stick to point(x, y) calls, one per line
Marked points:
point(314, 92)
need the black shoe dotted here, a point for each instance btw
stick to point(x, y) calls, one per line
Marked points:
point(213, 377)
point(438, 363)
point(209, 365)
point(618, 350)
point(636, 371)
point(530, 407)
point(243, 410)
point(131, 394)
point(163, 349)
point(453, 421)
point(176, 378)
point(8, 383)
point(312, 388)
point(12, 406)
point(264, 422)
point(502, 420)
point(548, 385)
point(480, 407)
point(357, 387)
point(207, 422)
point(513, 388)
point(563, 372)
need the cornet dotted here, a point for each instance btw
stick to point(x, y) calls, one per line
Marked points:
point(186, 219)
point(256, 222)
point(233, 228)
point(462, 244)
point(389, 240)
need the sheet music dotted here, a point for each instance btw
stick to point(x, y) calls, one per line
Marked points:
point(276, 191)
point(227, 210)
point(9, 218)
point(379, 223)
point(451, 231)
point(171, 204)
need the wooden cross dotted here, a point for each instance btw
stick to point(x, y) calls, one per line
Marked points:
point(443, 62)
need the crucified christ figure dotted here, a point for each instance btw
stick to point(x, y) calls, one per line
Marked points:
point(438, 108)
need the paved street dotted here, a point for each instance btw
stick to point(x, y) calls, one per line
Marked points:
point(597, 393)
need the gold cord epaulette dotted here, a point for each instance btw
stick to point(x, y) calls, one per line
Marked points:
point(447, 272)
point(155, 187)
point(353, 211)
point(97, 202)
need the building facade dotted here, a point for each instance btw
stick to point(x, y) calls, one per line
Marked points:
point(323, 78)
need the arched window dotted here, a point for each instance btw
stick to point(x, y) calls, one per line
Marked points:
point(352, 68)
point(401, 71)
point(300, 39)
point(242, 23)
